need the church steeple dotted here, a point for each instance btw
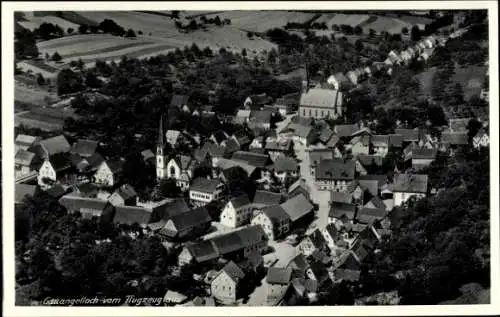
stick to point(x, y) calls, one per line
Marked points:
point(160, 157)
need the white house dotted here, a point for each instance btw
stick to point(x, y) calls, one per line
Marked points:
point(338, 81)
point(226, 284)
point(409, 185)
point(237, 212)
point(204, 191)
point(274, 220)
point(181, 169)
point(481, 139)
point(108, 173)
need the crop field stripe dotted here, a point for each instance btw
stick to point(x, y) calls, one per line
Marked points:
point(70, 41)
point(42, 66)
point(132, 54)
point(108, 49)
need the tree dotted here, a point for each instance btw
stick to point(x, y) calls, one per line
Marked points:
point(175, 14)
point(68, 82)
point(404, 30)
point(250, 35)
point(178, 25)
point(415, 33)
point(130, 33)
point(227, 21)
point(56, 57)
point(244, 52)
point(70, 31)
point(25, 45)
point(372, 33)
point(358, 45)
point(40, 80)
point(83, 28)
point(92, 81)
point(217, 21)
point(358, 30)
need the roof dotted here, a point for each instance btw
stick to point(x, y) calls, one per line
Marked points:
point(259, 99)
point(227, 243)
point(233, 271)
point(179, 100)
point(230, 146)
point(276, 213)
point(298, 183)
point(332, 142)
point(299, 262)
point(242, 113)
point(174, 297)
point(183, 161)
point(131, 214)
point(317, 238)
point(339, 210)
point(89, 163)
point(279, 145)
point(369, 160)
point(340, 77)
point(24, 157)
point(369, 215)
point(242, 137)
point(455, 138)
point(372, 186)
point(253, 159)
point(326, 134)
point(126, 191)
point(115, 166)
point(459, 124)
point(380, 140)
point(340, 197)
point(26, 140)
point(147, 154)
point(345, 130)
point(300, 130)
point(57, 144)
point(264, 198)
point(332, 230)
point(396, 140)
point(84, 147)
point(276, 275)
point(172, 135)
point(317, 155)
point(191, 218)
point(363, 139)
point(424, 153)
point(251, 235)
point(336, 169)
point(408, 134)
point(261, 116)
point(347, 275)
point(240, 201)
point(285, 164)
point(72, 203)
point(60, 161)
point(319, 97)
point(377, 202)
point(226, 164)
point(205, 185)
point(23, 190)
point(203, 251)
point(56, 191)
point(169, 209)
point(410, 183)
point(297, 207)
point(219, 136)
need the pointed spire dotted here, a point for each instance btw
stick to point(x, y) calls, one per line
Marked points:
point(160, 132)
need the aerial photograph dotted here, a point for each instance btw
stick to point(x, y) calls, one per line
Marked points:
point(251, 158)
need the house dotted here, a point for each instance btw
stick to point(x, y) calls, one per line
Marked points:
point(453, 140)
point(459, 124)
point(173, 137)
point(109, 173)
point(299, 132)
point(26, 162)
point(25, 142)
point(132, 215)
point(218, 137)
point(259, 161)
point(409, 185)
point(360, 144)
point(373, 183)
point(187, 224)
point(57, 191)
point(287, 104)
point(369, 216)
point(285, 167)
point(226, 286)
point(299, 187)
point(318, 155)
point(278, 148)
point(422, 157)
point(51, 146)
point(24, 191)
point(236, 212)
point(396, 141)
point(200, 252)
point(312, 242)
point(204, 191)
point(345, 130)
point(261, 118)
point(368, 164)
point(274, 220)
point(409, 135)
point(380, 144)
point(241, 138)
point(86, 166)
point(174, 298)
point(358, 192)
point(341, 213)
point(242, 116)
point(264, 199)
point(148, 156)
point(354, 76)
point(348, 261)
point(230, 146)
point(240, 244)
point(298, 208)
point(88, 207)
point(123, 196)
point(181, 168)
point(340, 197)
point(179, 102)
point(84, 148)
point(481, 139)
point(256, 102)
point(376, 203)
point(331, 236)
point(257, 143)
point(321, 103)
point(334, 174)
point(338, 81)
point(278, 281)
point(52, 169)
point(346, 275)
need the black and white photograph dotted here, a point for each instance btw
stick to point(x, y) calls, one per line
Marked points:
point(186, 158)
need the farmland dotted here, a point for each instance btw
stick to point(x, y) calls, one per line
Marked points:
point(34, 22)
point(471, 78)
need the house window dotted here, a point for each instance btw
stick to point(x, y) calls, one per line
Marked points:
point(316, 113)
point(172, 171)
point(322, 113)
point(310, 112)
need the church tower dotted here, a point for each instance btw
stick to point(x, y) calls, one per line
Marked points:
point(161, 165)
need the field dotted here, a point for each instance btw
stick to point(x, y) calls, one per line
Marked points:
point(34, 22)
point(34, 97)
point(339, 19)
point(393, 24)
point(425, 79)
point(38, 67)
point(471, 78)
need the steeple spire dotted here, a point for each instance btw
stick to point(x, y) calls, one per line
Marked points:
point(160, 132)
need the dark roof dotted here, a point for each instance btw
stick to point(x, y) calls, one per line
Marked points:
point(424, 153)
point(340, 197)
point(23, 190)
point(203, 251)
point(259, 99)
point(60, 161)
point(325, 135)
point(227, 243)
point(254, 159)
point(84, 147)
point(86, 189)
point(261, 116)
point(285, 164)
point(126, 191)
point(299, 263)
point(317, 239)
point(372, 186)
point(191, 218)
point(91, 163)
point(251, 235)
point(179, 100)
point(131, 214)
point(455, 138)
point(116, 166)
point(332, 230)
point(370, 215)
point(297, 207)
point(459, 124)
point(265, 198)
point(379, 178)
point(276, 213)
point(317, 155)
point(347, 275)
point(183, 161)
point(56, 191)
point(169, 209)
point(234, 271)
point(24, 157)
point(345, 130)
point(409, 135)
point(57, 144)
point(370, 160)
point(240, 201)
point(410, 183)
point(72, 203)
point(334, 140)
point(339, 210)
point(280, 145)
point(380, 140)
point(396, 140)
point(242, 137)
point(337, 169)
point(377, 202)
point(220, 136)
point(205, 185)
point(230, 146)
point(277, 275)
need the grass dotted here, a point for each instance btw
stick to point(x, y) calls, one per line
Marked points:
point(471, 78)
point(131, 54)
point(42, 65)
point(108, 49)
point(425, 79)
point(81, 40)
point(33, 96)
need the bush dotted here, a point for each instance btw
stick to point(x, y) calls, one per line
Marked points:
point(56, 57)
point(130, 33)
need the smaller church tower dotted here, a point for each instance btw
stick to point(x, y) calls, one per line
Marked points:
point(161, 165)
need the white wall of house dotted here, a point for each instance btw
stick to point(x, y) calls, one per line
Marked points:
point(400, 197)
point(46, 171)
point(104, 176)
point(263, 220)
point(173, 170)
point(185, 257)
point(223, 288)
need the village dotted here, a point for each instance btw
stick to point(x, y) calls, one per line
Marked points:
point(323, 199)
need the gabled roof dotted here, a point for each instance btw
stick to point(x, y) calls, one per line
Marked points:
point(370, 215)
point(339, 210)
point(24, 157)
point(183, 161)
point(455, 138)
point(126, 191)
point(372, 186)
point(325, 135)
point(297, 207)
point(333, 141)
point(56, 191)
point(60, 161)
point(23, 190)
point(424, 153)
point(347, 275)
point(238, 240)
point(26, 140)
point(285, 164)
point(169, 209)
point(242, 137)
point(57, 144)
point(370, 160)
point(277, 275)
point(410, 183)
point(380, 140)
point(276, 213)
point(298, 183)
point(205, 185)
point(261, 116)
point(300, 130)
point(259, 99)
point(203, 251)
point(331, 229)
point(251, 235)
point(179, 100)
point(116, 166)
point(409, 135)
point(147, 154)
point(230, 146)
point(316, 238)
point(131, 214)
point(340, 197)
point(220, 136)
point(335, 169)
point(345, 130)
point(279, 145)
point(319, 97)
point(71, 203)
point(191, 218)
point(318, 155)
point(253, 159)
point(396, 140)
point(233, 271)
point(84, 147)
point(172, 135)
point(299, 263)
point(377, 202)
point(90, 163)
point(459, 124)
point(264, 198)
point(227, 164)
point(240, 201)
